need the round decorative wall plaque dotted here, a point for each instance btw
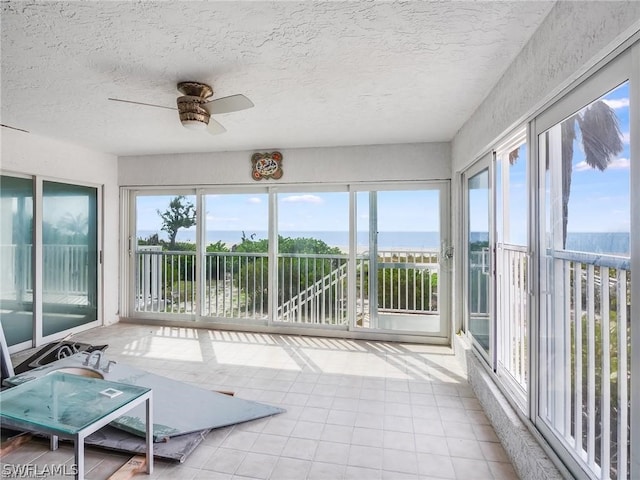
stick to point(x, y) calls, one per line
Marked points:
point(266, 165)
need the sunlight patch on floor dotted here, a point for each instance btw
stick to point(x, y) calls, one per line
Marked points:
point(352, 363)
point(253, 355)
point(165, 348)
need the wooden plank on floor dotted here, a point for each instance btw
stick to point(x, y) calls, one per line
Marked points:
point(135, 465)
point(14, 442)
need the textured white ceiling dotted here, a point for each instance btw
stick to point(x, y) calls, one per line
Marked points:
point(319, 73)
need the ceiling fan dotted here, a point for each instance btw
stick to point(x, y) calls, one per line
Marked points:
point(196, 106)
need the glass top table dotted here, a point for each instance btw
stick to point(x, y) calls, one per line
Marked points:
point(73, 406)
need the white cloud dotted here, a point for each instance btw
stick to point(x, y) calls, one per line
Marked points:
point(254, 200)
point(581, 166)
point(617, 103)
point(303, 199)
point(617, 164)
point(620, 164)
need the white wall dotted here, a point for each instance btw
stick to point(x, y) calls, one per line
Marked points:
point(30, 154)
point(373, 163)
point(573, 38)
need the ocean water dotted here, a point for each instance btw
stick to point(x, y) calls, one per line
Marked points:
point(613, 243)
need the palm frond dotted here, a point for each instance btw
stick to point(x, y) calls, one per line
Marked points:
point(601, 135)
point(514, 155)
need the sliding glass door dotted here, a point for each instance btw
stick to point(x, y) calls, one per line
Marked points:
point(69, 256)
point(164, 252)
point(235, 264)
point(401, 270)
point(585, 364)
point(496, 201)
point(16, 270)
point(479, 261)
point(312, 258)
point(339, 257)
point(49, 267)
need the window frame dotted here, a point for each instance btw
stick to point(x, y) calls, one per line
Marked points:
point(611, 75)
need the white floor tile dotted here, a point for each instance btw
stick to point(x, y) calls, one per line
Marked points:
point(355, 409)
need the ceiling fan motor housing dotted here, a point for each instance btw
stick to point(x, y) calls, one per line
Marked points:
point(192, 113)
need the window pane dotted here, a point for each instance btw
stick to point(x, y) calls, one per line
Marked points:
point(165, 254)
point(512, 197)
point(479, 259)
point(69, 256)
point(313, 246)
point(586, 275)
point(593, 160)
point(512, 292)
point(236, 260)
point(408, 260)
point(16, 239)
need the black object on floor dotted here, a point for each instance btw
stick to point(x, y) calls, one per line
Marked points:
point(55, 351)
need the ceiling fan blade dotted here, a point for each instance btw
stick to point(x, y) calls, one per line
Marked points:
point(232, 103)
point(215, 128)
point(141, 103)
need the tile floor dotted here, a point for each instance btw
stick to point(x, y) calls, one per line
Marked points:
point(355, 409)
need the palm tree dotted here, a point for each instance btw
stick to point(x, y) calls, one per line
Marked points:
point(601, 141)
point(75, 226)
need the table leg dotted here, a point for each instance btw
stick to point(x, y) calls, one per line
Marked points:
point(149, 439)
point(79, 450)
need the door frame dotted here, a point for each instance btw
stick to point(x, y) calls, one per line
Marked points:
point(445, 249)
point(486, 162)
point(38, 339)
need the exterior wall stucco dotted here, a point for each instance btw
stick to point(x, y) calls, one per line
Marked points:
point(375, 163)
point(29, 154)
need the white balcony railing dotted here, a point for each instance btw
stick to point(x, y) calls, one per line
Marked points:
point(512, 303)
point(408, 281)
point(312, 289)
point(586, 388)
point(165, 281)
point(236, 285)
point(65, 272)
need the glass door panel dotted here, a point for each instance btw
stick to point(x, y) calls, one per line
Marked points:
point(399, 233)
point(585, 271)
point(69, 255)
point(408, 260)
point(512, 268)
point(479, 261)
point(236, 263)
point(16, 241)
point(165, 254)
point(313, 248)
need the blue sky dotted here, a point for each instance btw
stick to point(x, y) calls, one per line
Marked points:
point(308, 211)
point(600, 201)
